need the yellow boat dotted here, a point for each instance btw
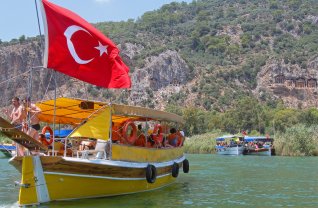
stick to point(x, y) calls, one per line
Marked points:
point(123, 159)
point(110, 169)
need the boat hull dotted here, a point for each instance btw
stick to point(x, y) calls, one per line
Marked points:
point(236, 150)
point(79, 186)
point(75, 178)
point(260, 152)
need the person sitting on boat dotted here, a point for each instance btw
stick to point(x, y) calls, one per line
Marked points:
point(173, 137)
point(256, 146)
point(158, 139)
point(181, 138)
point(141, 139)
point(88, 144)
point(150, 140)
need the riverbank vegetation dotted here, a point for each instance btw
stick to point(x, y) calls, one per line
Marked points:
point(294, 130)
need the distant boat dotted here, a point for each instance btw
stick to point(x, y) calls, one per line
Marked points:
point(7, 149)
point(229, 145)
point(258, 145)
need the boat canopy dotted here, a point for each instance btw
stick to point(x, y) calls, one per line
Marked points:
point(257, 138)
point(59, 133)
point(76, 111)
point(222, 138)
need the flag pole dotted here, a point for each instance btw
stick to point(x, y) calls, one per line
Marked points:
point(37, 15)
point(54, 114)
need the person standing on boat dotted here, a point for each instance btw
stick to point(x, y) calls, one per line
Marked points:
point(18, 114)
point(33, 112)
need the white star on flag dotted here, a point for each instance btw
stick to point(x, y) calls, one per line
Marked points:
point(102, 48)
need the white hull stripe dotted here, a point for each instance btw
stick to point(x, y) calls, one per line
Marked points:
point(123, 163)
point(101, 177)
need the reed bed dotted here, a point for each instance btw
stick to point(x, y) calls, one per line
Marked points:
point(202, 144)
point(298, 140)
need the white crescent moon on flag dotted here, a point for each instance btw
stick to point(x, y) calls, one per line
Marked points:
point(69, 32)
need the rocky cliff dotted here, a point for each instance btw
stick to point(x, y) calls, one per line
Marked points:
point(161, 77)
point(296, 86)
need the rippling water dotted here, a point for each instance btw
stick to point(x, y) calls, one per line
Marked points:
point(213, 181)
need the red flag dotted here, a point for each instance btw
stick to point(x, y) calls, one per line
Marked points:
point(76, 48)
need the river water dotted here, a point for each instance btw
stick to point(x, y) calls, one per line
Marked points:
point(213, 181)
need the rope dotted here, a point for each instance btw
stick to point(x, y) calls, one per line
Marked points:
point(14, 77)
point(47, 88)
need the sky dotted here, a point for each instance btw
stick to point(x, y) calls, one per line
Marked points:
point(18, 17)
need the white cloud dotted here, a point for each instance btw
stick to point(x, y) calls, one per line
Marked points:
point(103, 1)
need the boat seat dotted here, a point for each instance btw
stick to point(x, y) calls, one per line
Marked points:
point(100, 151)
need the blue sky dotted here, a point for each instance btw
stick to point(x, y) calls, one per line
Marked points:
point(18, 17)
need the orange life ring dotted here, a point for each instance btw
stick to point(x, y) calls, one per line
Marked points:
point(43, 140)
point(131, 138)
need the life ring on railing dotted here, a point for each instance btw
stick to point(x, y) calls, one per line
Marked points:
point(132, 137)
point(43, 139)
point(151, 173)
point(175, 170)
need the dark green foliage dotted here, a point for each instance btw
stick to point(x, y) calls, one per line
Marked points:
point(22, 39)
point(298, 140)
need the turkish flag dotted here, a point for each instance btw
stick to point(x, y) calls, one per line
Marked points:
point(76, 48)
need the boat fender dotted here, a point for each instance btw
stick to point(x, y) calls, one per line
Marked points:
point(44, 130)
point(132, 137)
point(151, 173)
point(175, 170)
point(185, 166)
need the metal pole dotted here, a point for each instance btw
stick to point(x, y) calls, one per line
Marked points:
point(29, 97)
point(54, 115)
point(110, 131)
point(65, 142)
point(37, 15)
point(110, 134)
